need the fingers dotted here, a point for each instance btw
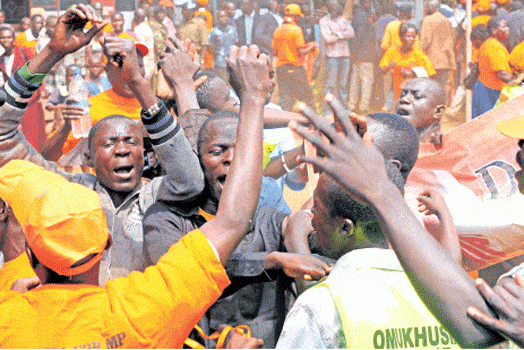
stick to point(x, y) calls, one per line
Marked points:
point(322, 124)
point(492, 298)
point(254, 343)
point(312, 136)
point(200, 81)
point(484, 319)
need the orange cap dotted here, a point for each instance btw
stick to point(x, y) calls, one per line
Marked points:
point(293, 9)
point(202, 3)
point(166, 3)
point(502, 1)
point(63, 222)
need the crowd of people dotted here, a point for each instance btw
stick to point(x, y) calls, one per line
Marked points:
point(167, 226)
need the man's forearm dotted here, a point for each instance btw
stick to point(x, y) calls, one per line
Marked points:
point(44, 61)
point(432, 271)
point(185, 96)
point(143, 93)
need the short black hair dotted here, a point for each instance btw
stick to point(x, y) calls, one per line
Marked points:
point(396, 138)
point(96, 127)
point(480, 31)
point(222, 115)
point(494, 23)
point(405, 26)
point(342, 204)
point(9, 28)
point(36, 16)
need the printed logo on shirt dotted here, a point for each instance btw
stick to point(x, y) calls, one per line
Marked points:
point(112, 342)
point(413, 337)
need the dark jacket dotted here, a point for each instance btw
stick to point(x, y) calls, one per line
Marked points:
point(241, 28)
point(362, 45)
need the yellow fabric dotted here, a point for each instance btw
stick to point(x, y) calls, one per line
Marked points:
point(286, 40)
point(154, 309)
point(107, 29)
point(509, 92)
point(102, 105)
point(493, 57)
point(481, 19)
point(21, 40)
point(389, 315)
point(267, 148)
point(63, 222)
point(414, 58)
point(516, 57)
point(392, 37)
point(13, 270)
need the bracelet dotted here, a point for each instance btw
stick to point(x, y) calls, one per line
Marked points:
point(284, 164)
point(151, 111)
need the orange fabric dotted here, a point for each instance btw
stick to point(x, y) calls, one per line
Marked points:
point(493, 57)
point(392, 38)
point(102, 105)
point(516, 57)
point(13, 270)
point(286, 40)
point(414, 58)
point(481, 19)
point(63, 221)
point(474, 54)
point(154, 309)
point(107, 29)
point(21, 40)
point(209, 18)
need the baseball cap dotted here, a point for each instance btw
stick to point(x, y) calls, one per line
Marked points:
point(63, 222)
point(293, 9)
point(482, 5)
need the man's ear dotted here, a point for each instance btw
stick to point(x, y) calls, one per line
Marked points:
point(438, 112)
point(347, 227)
point(89, 159)
point(396, 163)
point(4, 210)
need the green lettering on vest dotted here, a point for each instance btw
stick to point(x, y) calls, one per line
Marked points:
point(378, 340)
point(421, 336)
point(445, 337)
point(432, 341)
point(391, 340)
point(398, 335)
point(406, 334)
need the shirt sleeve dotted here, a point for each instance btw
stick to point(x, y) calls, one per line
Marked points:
point(499, 59)
point(388, 56)
point(173, 294)
point(424, 62)
point(312, 323)
point(386, 41)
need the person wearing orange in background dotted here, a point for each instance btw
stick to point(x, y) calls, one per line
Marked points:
point(290, 48)
point(100, 9)
point(29, 37)
point(117, 20)
point(401, 60)
point(483, 12)
point(392, 38)
point(494, 69)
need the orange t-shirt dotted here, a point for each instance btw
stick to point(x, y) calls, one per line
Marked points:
point(103, 105)
point(286, 40)
point(414, 58)
point(15, 269)
point(493, 57)
point(392, 37)
point(154, 309)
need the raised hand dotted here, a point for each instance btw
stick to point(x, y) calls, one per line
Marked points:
point(126, 49)
point(431, 202)
point(354, 162)
point(69, 34)
point(177, 64)
point(304, 266)
point(249, 72)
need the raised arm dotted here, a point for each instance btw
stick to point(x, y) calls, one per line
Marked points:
point(238, 202)
point(441, 283)
point(184, 178)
